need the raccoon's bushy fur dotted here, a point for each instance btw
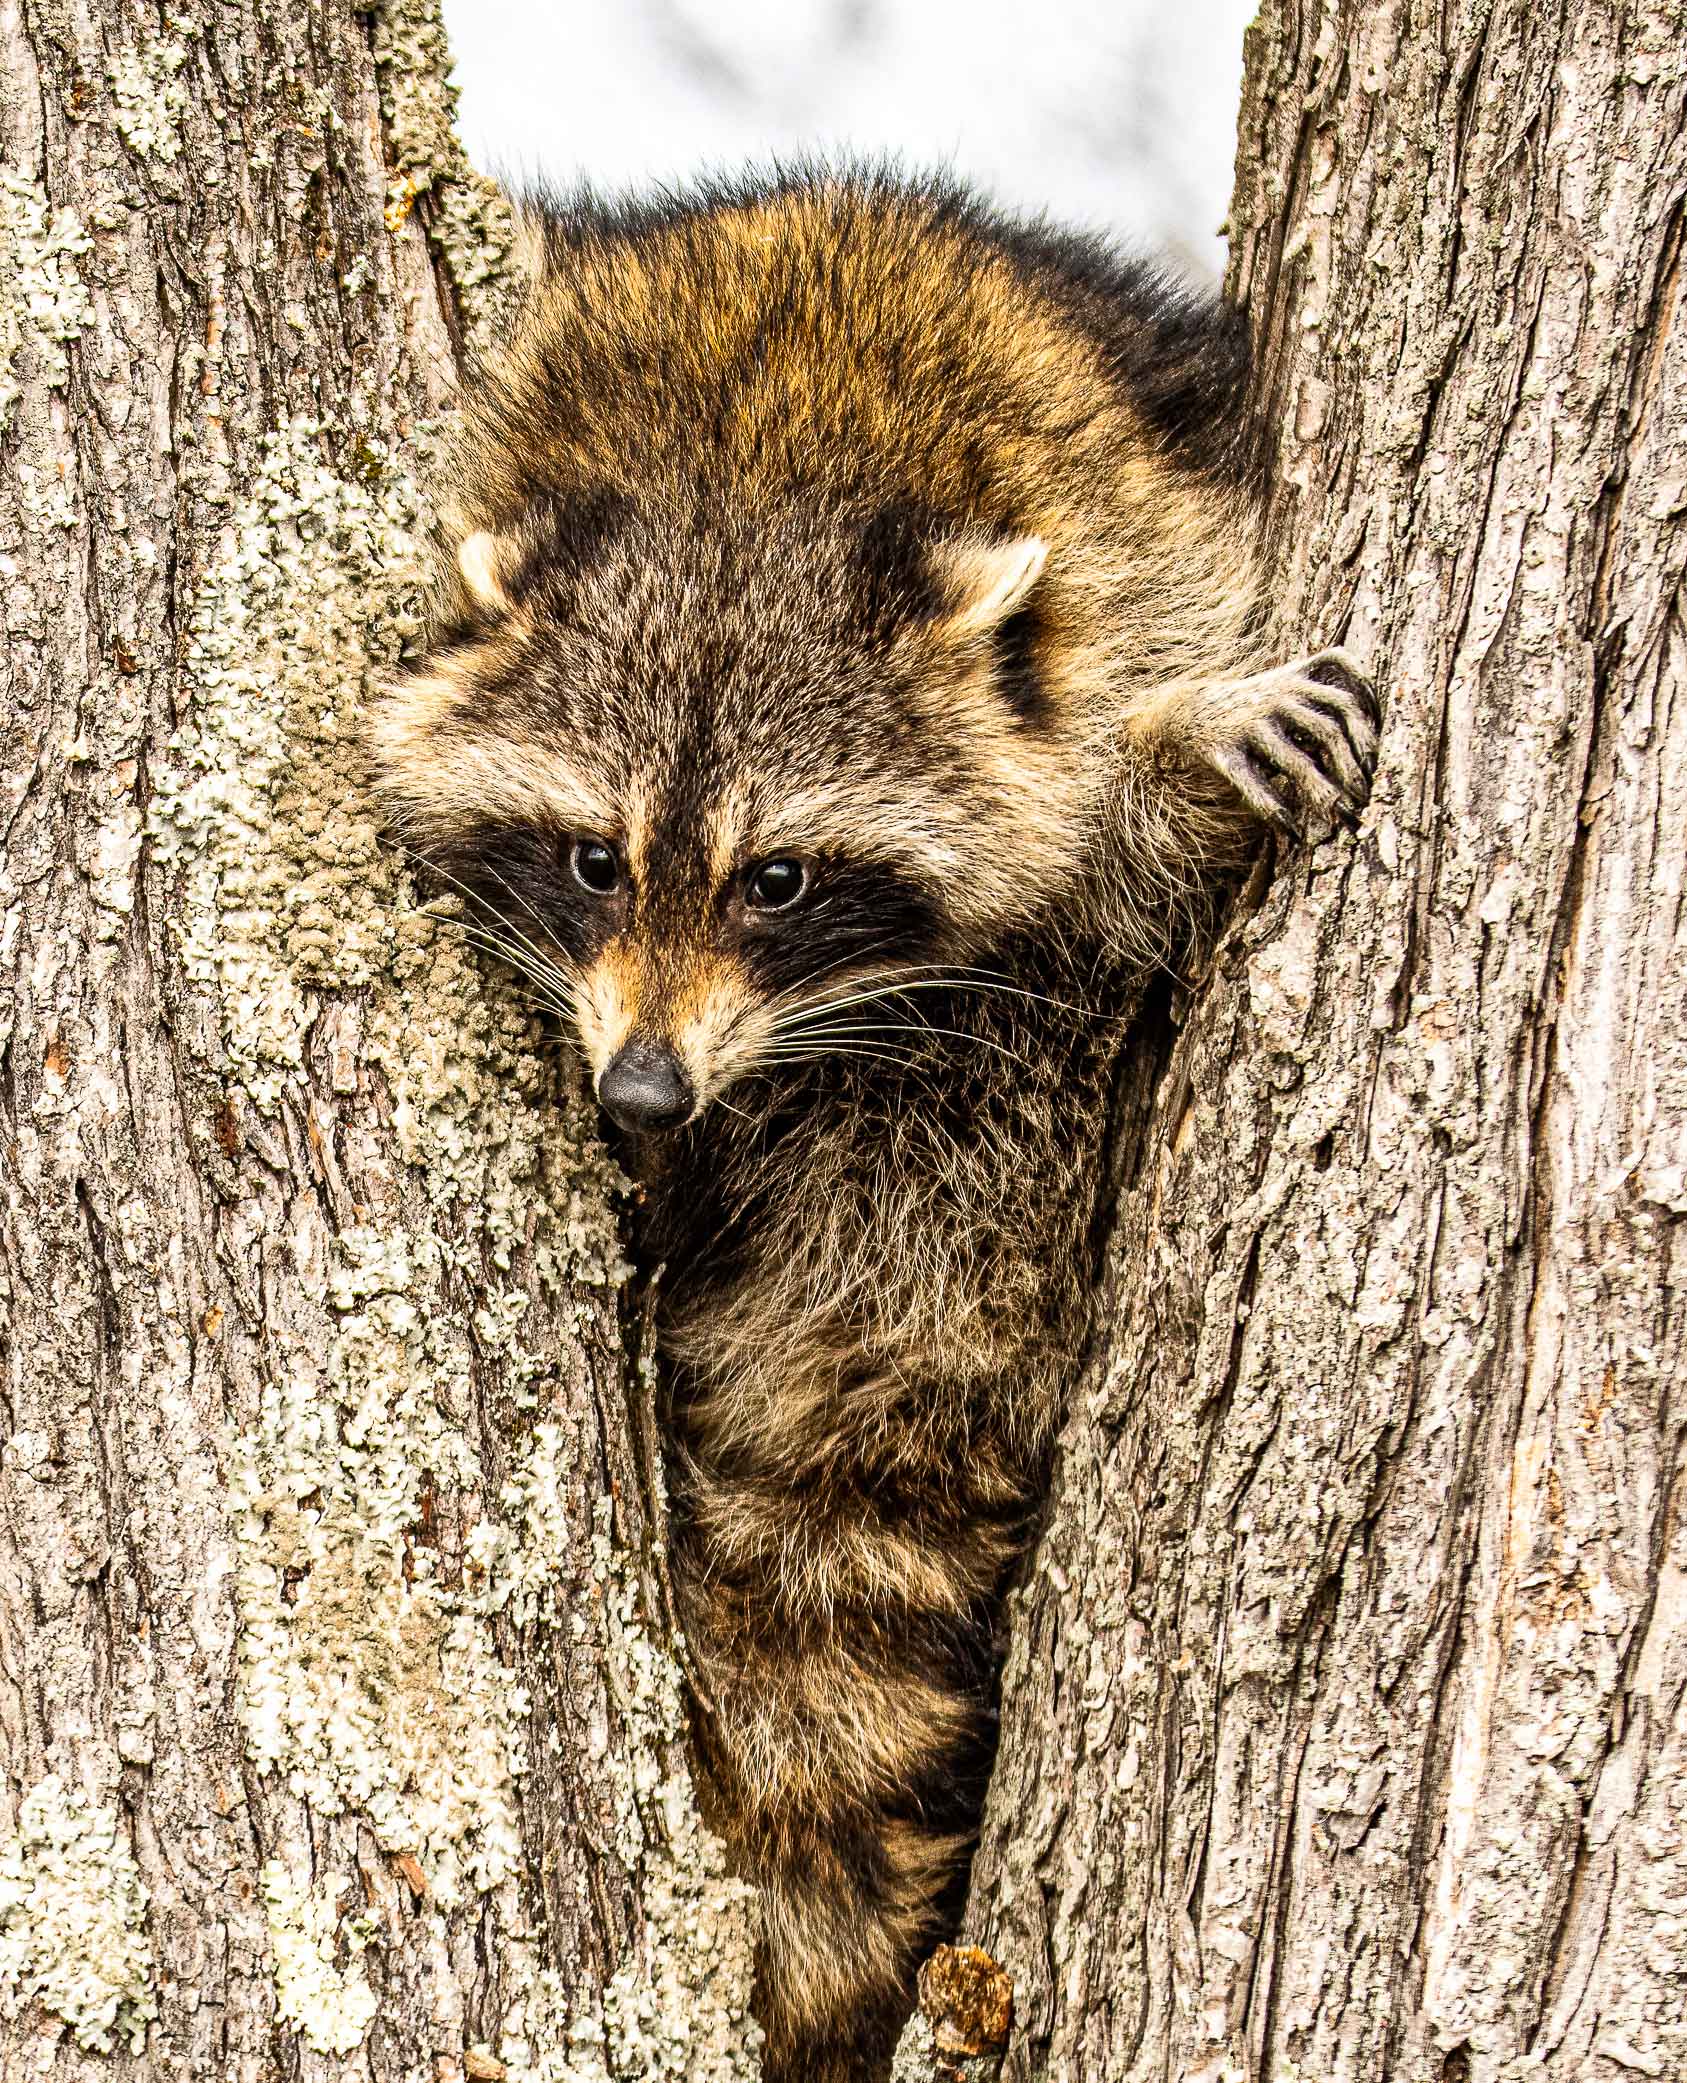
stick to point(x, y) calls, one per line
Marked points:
point(834, 521)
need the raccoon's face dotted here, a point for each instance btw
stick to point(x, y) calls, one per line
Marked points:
point(714, 785)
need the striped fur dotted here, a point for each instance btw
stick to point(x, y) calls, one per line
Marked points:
point(834, 521)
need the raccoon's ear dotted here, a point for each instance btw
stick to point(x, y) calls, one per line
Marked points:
point(480, 559)
point(553, 539)
point(984, 582)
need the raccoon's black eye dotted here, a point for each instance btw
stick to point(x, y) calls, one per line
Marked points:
point(775, 885)
point(595, 866)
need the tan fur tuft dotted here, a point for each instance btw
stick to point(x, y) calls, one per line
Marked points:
point(988, 581)
point(608, 1006)
point(478, 559)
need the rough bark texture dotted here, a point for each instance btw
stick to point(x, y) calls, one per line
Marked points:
point(335, 1737)
point(1344, 1730)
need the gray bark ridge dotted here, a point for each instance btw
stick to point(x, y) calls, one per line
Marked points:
point(1344, 1734)
point(339, 1735)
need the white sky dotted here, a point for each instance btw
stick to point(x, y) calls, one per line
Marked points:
point(1112, 113)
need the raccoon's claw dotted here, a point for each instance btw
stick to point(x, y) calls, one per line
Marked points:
point(1302, 742)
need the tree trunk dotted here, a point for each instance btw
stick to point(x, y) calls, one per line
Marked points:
point(1343, 1734)
point(336, 1737)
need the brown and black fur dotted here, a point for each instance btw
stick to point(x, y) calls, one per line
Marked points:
point(835, 520)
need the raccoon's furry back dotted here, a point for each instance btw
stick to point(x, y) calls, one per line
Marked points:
point(882, 333)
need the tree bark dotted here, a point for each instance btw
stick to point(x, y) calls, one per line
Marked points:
point(1344, 1731)
point(337, 1736)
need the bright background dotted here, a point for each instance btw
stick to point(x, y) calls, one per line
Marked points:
point(1120, 116)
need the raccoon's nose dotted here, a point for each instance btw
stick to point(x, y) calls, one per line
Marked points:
point(645, 1088)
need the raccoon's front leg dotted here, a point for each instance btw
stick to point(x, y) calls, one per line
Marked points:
point(1297, 743)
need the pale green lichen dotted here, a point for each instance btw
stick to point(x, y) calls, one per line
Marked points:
point(297, 611)
point(329, 2006)
point(43, 302)
point(681, 2008)
point(72, 1916)
point(148, 97)
point(470, 226)
point(364, 1680)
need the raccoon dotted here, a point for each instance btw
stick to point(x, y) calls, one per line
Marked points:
point(846, 683)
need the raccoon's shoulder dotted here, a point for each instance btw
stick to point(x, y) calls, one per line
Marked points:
point(856, 325)
point(1176, 348)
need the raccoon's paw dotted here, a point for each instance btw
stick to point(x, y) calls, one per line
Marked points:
point(1298, 744)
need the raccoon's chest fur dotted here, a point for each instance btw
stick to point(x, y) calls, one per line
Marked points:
point(877, 1263)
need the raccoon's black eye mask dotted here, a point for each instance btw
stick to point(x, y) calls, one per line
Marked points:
point(844, 911)
point(789, 916)
point(569, 887)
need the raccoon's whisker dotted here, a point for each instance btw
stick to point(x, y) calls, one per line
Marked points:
point(546, 977)
point(538, 1001)
point(803, 1013)
point(907, 1065)
point(510, 937)
point(812, 1046)
point(484, 911)
point(792, 996)
point(800, 1015)
point(557, 1012)
point(982, 1041)
point(538, 992)
point(525, 902)
point(981, 981)
point(473, 895)
point(915, 977)
point(989, 980)
point(843, 1030)
point(518, 949)
point(815, 1052)
point(817, 1021)
point(542, 974)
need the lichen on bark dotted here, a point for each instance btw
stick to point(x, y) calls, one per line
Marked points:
point(43, 303)
point(72, 1911)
